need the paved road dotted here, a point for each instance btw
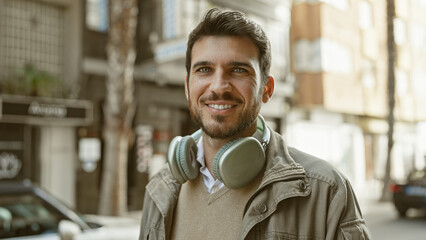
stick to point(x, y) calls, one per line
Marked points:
point(384, 223)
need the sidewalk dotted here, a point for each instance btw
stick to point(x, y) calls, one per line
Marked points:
point(134, 214)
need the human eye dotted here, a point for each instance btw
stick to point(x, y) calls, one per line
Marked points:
point(239, 70)
point(203, 70)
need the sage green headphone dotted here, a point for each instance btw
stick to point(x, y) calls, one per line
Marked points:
point(236, 164)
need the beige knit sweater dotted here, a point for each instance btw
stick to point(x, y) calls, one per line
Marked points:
point(201, 215)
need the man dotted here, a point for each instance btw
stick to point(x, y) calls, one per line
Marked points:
point(286, 195)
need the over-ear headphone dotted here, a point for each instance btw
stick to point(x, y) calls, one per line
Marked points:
point(236, 164)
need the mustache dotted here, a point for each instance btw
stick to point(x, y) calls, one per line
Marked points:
point(225, 96)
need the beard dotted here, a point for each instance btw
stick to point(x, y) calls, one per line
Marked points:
point(217, 129)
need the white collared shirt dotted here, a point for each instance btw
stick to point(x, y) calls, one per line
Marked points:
point(211, 184)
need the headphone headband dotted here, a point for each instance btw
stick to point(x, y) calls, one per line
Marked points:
point(266, 133)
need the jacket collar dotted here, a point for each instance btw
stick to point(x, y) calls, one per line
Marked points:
point(279, 163)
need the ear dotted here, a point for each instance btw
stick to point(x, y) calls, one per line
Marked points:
point(186, 88)
point(269, 89)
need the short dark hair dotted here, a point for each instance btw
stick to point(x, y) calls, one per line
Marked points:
point(231, 23)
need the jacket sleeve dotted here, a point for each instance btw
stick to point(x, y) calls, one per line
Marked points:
point(147, 205)
point(160, 199)
point(345, 219)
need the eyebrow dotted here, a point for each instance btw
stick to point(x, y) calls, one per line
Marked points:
point(240, 64)
point(234, 64)
point(201, 63)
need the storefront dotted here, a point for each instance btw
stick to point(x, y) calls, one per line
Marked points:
point(38, 141)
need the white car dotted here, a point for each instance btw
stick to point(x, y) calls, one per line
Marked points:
point(28, 212)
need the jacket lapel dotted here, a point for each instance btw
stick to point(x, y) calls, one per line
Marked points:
point(283, 179)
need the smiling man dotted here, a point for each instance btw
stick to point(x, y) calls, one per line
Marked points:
point(235, 178)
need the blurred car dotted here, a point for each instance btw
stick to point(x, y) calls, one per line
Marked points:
point(412, 194)
point(28, 212)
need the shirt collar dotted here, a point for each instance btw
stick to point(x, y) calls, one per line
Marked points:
point(211, 184)
point(200, 153)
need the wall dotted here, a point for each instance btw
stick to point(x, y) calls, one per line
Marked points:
point(58, 162)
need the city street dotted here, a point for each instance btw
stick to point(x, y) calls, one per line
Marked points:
point(384, 223)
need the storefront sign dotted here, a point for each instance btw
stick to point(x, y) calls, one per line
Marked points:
point(47, 110)
point(33, 110)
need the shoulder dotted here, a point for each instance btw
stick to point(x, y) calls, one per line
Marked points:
point(319, 169)
point(163, 181)
point(315, 167)
point(279, 153)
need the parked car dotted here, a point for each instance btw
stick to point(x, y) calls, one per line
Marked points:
point(28, 212)
point(411, 194)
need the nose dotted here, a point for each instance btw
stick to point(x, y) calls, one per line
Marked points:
point(220, 82)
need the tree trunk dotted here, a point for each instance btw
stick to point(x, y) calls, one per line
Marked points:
point(391, 96)
point(119, 106)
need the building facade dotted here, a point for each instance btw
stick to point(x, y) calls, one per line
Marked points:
point(39, 109)
point(339, 59)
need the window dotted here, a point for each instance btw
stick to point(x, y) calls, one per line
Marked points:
point(399, 31)
point(171, 21)
point(97, 15)
point(420, 3)
point(365, 15)
point(401, 78)
point(418, 37)
point(277, 32)
point(190, 14)
point(342, 5)
point(32, 33)
point(322, 55)
point(368, 74)
point(419, 85)
point(307, 56)
point(335, 57)
point(402, 9)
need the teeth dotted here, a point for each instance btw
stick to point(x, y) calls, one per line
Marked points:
point(220, 107)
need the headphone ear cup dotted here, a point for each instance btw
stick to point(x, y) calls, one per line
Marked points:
point(173, 162)
point(238, 162)
point(186, 156)
point(218, 156)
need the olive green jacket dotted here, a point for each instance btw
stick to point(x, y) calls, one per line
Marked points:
point(299, 197)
